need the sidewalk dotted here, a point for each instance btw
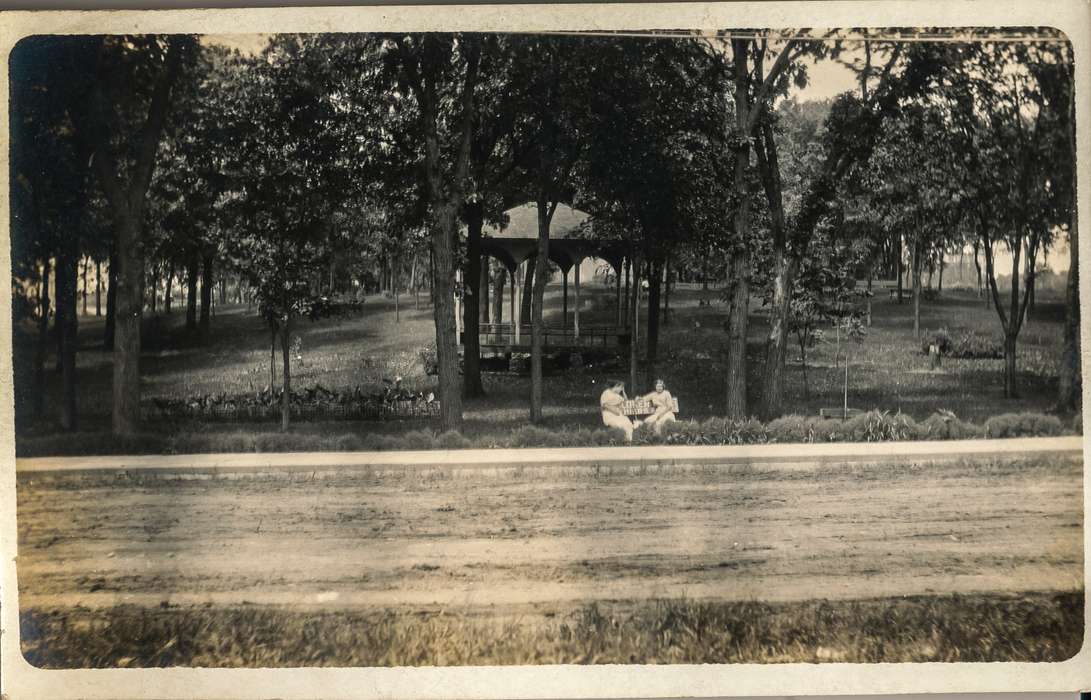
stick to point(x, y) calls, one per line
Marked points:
point(567, 456)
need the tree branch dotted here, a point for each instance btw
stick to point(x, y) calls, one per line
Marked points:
point(153, 125)
point(473, 63)
point(765, 90)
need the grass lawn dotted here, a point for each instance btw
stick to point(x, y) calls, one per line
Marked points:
point(982, 627)
point(888, 371)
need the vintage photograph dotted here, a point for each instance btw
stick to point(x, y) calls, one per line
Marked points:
point(408, 349)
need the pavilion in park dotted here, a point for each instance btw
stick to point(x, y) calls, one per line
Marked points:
point(570, 243)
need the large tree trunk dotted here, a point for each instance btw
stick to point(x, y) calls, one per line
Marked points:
point(784, 272)
point(444, 234)
point(740, 264)
point(154, 301)
point(130, 295)
point(42, 348)
point(776, 348)
point(541, 274)
point(472, 304)
point(206, 296)
point(67, 307)
point(127, 208)
point(286, 355)
point(528, 290)
point(193, 267)
point(483, 296)
point(737, 332)
point(111, 305)
point(1011, 388)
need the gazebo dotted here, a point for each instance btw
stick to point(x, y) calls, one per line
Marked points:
point(570, 243)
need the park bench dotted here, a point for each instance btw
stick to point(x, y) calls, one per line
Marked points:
point(643, 407)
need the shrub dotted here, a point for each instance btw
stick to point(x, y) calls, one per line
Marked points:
point(532, 436)
point(940, 338)
point(1077, 423)
point(716, 431)
point(429, 359)
point(799, 429)
point(1009, 425)
point(975, 346)
point(451, 440)
point(349, 443)
point(878, 426)
point(945, 425)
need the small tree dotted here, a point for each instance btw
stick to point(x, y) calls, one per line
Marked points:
point(855, 331)
point(284, 172)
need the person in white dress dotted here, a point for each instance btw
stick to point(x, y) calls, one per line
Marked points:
point(613, 416)
point(663, 403)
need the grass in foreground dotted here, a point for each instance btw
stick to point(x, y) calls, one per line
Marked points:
point(986, 627)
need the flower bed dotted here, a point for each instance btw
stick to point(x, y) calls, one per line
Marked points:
point(315, 403)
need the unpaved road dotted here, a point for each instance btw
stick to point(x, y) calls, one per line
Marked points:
point(539, 540)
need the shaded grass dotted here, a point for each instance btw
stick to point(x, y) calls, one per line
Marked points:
point(982, 627)
point(888, 371)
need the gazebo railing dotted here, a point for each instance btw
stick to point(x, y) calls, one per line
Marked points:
point(503, 334)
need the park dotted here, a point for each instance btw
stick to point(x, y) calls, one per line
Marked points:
point(372, 292)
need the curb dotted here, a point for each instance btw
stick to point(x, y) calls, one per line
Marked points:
point(810, 453)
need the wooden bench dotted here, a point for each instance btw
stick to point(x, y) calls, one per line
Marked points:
point(643, 407)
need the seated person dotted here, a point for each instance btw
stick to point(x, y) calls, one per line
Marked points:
point(663, 403)
point(613, 416)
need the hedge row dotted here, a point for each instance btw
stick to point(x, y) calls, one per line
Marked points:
point(876, 426)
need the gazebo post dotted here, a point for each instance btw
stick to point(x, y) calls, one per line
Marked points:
point(564, 300)
point(576, 327)
point(512, 273)
point(516, 308)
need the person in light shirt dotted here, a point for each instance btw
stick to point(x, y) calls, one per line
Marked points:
point(613, 416)
point(663, 402)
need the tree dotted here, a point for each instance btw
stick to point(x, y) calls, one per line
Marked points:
point(429, 81)
point(285, 169)
point(848, 136)
point(546, 140)
point(50, 200)
point(753, 91)
point(909, 189)
point(1013, 134)
point(654, 171)
point(124, 178)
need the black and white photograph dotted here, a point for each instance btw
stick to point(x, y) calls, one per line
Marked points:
point(578, 347)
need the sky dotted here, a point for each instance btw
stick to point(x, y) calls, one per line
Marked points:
point(827, 78)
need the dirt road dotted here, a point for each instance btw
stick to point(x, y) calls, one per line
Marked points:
point(539, 540)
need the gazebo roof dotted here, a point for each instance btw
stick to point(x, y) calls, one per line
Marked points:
point(569, 241)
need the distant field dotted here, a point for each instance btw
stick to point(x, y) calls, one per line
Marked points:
point(888, 371)
point(582, 564)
